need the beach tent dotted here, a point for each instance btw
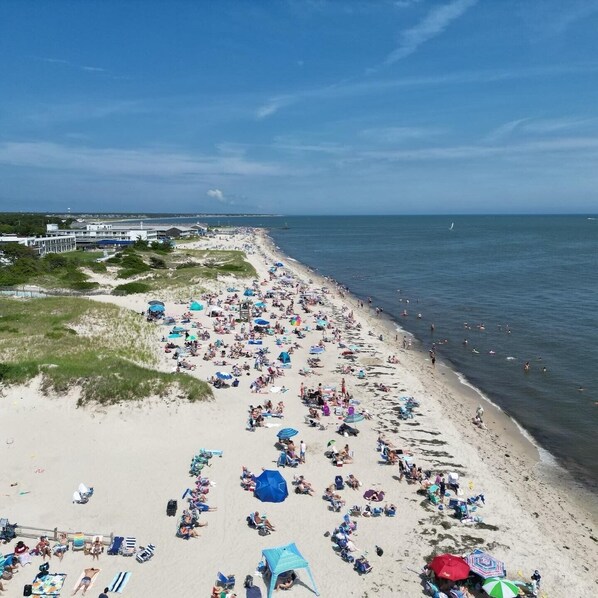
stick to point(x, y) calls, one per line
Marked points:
point(284, 357)
point(156, 309)
point(248, 293)
point(283, 559)
point(214, 310)
point(261, 322)
point(270, 486)
point(155, 302)
point(279, 265)
point(195, 306)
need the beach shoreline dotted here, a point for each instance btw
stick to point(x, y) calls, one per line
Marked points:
point(137, 456)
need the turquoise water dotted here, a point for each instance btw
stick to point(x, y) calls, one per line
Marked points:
point(534, 276)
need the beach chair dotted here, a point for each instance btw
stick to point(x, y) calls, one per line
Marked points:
point(260, 527)
point(225, 582)
point(145, 554)
point(116, 545)
point(390, 511)
point(433, 494)
point(339, 483)
point(362, 566)
point(128, 546)
point(78, 541)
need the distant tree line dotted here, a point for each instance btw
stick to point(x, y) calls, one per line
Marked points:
point(29, 225)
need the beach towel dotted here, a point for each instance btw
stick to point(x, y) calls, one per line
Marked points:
point(370, 493)
point(50, 585)
point(93, 580)
point(119, 582)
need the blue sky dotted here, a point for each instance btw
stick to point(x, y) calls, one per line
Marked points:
point(300, 107)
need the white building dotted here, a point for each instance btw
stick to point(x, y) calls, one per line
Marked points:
point(101, 233)
point(44, 245)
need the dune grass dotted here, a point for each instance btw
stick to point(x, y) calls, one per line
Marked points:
point(105, 350)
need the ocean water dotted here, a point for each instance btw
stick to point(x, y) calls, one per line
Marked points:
point(518, 288)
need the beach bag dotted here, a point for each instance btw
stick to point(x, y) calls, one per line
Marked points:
point(379, 551)
point(27, 590)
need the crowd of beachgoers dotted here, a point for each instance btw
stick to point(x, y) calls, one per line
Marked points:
point(319, 420)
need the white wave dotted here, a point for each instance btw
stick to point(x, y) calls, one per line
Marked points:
point(510, 358)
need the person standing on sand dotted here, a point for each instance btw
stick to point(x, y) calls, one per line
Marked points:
point(302, 451)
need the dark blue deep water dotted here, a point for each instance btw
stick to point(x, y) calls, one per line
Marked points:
point(536, 274)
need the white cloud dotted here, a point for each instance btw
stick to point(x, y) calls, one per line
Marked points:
point(505, 130)
point(218, 195)
point(433, 24)
point(140, 162)
point(400, 134)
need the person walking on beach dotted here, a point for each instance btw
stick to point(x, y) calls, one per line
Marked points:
point(302, 451)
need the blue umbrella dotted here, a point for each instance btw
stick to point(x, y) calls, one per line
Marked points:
point(248, 293)
point(287, 433)
point(260, 304)
point(224, 375)
point(316, 350)
point(354, 418)
point(261, 322)
point(279, 264)
point(156, 308)
point(270, 486)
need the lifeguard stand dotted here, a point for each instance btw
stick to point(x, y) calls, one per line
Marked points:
point(245, 311)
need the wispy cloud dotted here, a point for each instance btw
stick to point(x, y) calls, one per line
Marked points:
point(472, 152)
point(433, 24)
point(400, 134)
point(504, 131)
point(366, 87)
point(141, 162)
point(68, 63)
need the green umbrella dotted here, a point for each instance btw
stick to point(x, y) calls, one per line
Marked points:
point(331, 442)
point(500, 588)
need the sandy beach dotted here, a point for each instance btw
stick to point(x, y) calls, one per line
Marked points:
point(137, 456)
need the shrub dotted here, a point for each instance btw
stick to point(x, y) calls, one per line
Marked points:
point(131, 288)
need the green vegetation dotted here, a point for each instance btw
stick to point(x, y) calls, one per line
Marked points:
point(51, 272)
point(106, 351)
point(28, 225)
point(130, 288)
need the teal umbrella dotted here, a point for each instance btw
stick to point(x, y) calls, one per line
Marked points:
point(500, 588)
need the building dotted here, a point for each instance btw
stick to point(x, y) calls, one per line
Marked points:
point(44, 245)
point(98, 234)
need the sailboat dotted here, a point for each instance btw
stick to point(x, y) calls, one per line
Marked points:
point(452, 226)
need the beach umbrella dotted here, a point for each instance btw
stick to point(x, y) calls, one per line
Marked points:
point(232, 290)
point(248, 293)
point(316, 350)
point(330, 443)
point(195, 306)
point(279, 264)
point(155, 302)
point(156, 308)
point(270, 486)
point(485, 565)
point(224, 375)
point(287, 433)
point(322, 323)
point(449, 566)
point(178, 329)
point(500, 588)
point(353, 418)
point(261, 322)
point(191, 337)
point(260, 304)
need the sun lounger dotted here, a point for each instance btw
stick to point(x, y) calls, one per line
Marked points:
point(225, 582)
point(116, 545)
point(145, 554)
point(128, 547)
point(78, 541)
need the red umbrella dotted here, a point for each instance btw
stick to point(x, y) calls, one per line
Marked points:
point(449, 566)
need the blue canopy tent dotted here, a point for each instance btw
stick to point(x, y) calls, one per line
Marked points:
point(248, 293)
point(284, 357)
point(195, 306)
point(282, 559)
point(155, 309)
point(270, 486)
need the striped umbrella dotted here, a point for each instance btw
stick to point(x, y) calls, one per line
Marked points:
point(500, 588)
point(485, 565)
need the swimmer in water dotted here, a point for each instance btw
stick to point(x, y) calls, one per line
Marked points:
point(526, 367)
point(465, 342)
